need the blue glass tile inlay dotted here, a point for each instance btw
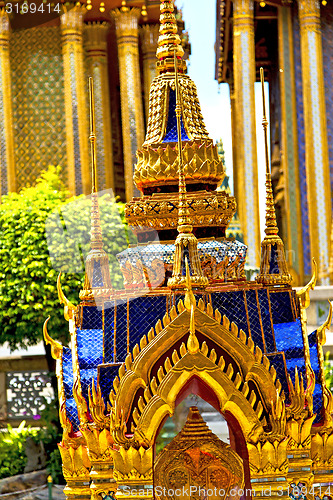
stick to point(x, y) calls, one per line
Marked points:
point(171, 129)
point(106, 376)
point(90, 355)
point(252, 307)
point(233, 306)
point(91, 318)
point(97, 279)
point(144, 312)
point(67, 368)
point(281, 307)
point(266, 320)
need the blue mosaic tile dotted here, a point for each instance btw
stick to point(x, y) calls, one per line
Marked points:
point(121, 333)
point(67, 367)
point(266, 320)
point(91, 318)
point(109, 319)
point(144, 312)
point(274, 261)
point(106, 377)
point(90, 355)
point(277, 360)
point(288, 336)
point(171, 129)
point(281, 307)
point(252, 307)
point(90, 347)
point(87, 376)
point(232, 305)
point(97, 279)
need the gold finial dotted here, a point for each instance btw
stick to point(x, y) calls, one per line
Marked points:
point(273, 267)
point(97, 281)
point(92, 136)
point(189, 300)
point(192, 345)
point(96, 231)
point(184, 223)
point(169, 41)
point(271, 224)
point(186, 244)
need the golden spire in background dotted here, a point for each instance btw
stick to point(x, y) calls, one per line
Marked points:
point(186, 244)
point(273, 266)
point(169, 41)
point(97, 282)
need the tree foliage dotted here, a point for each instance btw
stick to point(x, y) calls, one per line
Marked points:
point(35, 246)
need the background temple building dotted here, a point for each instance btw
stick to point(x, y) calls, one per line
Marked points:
point(43, 103)
point(292, 40)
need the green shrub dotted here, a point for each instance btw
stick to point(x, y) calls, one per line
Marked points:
point(12, 449)
point(30, 261)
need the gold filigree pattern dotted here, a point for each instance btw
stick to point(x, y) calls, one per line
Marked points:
point(160, 211)
point(158, 164)
point(159, 108)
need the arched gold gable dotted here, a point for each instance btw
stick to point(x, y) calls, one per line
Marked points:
point(228, 364)
point(194, 344)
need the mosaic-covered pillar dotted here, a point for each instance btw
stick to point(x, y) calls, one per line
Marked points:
point(127, 32)
point(96, 50)
point(316, 148)
point(7, 161)
point(246, 168)
point(149, 37)
point(76, 110)
point(289, 140)
point(234, 141)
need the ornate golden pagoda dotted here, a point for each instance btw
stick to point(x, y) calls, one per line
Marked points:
point(242, 346)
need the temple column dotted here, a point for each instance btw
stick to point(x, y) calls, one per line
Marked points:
point(76, 110)
point(234, 143)
point(149, 37)
point(126, 21)
point(316, 148)
point(289, 139)
point(246, 168)
point(96, 50)
point(7, 161)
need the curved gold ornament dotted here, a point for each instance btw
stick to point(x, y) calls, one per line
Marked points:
point(69, 308)
point(56, 347)
point(321, 332)
point(304, 293)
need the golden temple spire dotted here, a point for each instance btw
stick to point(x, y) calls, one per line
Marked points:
point(273, 266)
point(97, 282)
point(186, 244)
point(169, 41)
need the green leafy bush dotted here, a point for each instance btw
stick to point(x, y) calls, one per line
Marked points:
point(28, 275)
point(12, 449)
